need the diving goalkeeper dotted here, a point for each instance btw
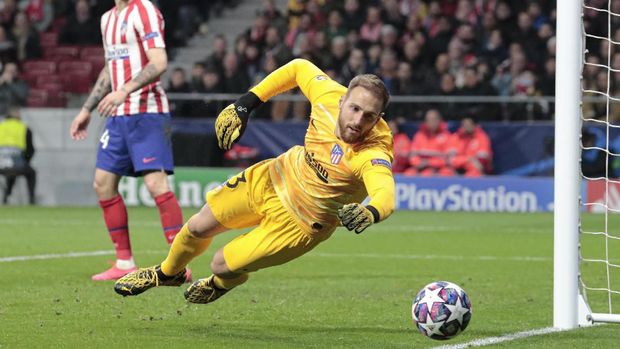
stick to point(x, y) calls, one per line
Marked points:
point(294, 201)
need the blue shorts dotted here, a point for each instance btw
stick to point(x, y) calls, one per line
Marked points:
point(132, 144)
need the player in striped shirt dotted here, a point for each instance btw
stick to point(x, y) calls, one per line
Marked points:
point(136, 140)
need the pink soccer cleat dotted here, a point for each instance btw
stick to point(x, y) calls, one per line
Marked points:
point(188, 275)
point(113, 273)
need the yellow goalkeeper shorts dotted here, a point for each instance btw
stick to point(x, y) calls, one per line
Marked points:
point(249, 199)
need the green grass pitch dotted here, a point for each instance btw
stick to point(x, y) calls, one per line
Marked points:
point(353, 291)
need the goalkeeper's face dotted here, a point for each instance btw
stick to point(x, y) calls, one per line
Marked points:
point(360, 110)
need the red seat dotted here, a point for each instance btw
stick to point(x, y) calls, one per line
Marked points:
point(77, 82)
point(59, 53)
point(75, 66)
point(44, 79)
point(98, 62)
point(92, 51)
point(37, 98)
point(48, 39)
point(47, 66)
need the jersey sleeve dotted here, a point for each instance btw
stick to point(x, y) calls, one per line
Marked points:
point(301, 73)
point(375, 169)
point(150, 25)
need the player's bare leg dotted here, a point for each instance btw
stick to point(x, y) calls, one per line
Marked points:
point(193, 239)
point(209, 289)
point(115, 217)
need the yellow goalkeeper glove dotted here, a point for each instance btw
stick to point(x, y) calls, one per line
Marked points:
point(231, 121)
point(357, 217)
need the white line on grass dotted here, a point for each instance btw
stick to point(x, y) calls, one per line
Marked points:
point(66, 255)
point(313, 254)
point(499, 339)
point(432, 256)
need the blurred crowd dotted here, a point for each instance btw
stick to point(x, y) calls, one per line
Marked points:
point(418, 47)
point(435, 151)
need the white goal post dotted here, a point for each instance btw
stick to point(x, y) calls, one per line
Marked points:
point(570, 307)
point(569, 54)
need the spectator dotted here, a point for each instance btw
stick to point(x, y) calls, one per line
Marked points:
point(220, 48)
point(8, 52)
point(389, 38)
point(429, 148)
point(433, 77)
point(353, 15)
point(388, 68)
point(370, 31)
point(356, 65)
point(447, 88)
point(412, 54)
point(335, 26)
point(81, 28)
point(210, 83)
point(402, 146)
point(16, 149)
point(296, 36)
point(13, 90)
point(275, 47)
point(40, 13)
point(198, 70)
point(26, 37)
point(178, 84)
point(256, 33)
point(470, 150)
point(473, 86)
point(234, 80)
point(251, 60)
point(546, 83)
point(8, 13)
point(527, 36)
point(339, 53)
point(392, 14)
point(404, 85)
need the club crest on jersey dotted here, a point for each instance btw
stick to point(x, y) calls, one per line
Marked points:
point(336, 154)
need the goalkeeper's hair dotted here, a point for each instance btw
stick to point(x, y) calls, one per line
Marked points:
point(373, 84)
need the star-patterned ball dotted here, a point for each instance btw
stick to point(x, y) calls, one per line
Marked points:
point(441, 310)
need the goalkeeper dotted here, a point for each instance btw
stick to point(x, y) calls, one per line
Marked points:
point(294, 201)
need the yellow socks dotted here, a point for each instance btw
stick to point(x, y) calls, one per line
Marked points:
point(227, 284)
point(185, 247)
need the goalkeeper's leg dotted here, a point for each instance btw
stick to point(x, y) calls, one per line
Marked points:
point(191, 241)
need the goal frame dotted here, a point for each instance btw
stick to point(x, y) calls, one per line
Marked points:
point(570, 309)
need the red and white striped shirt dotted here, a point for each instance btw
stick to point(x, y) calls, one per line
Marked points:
point(127, 35)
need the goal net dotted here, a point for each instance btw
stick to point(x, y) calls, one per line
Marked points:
point(599, 230)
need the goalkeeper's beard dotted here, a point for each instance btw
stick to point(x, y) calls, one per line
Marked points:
point(350, 133)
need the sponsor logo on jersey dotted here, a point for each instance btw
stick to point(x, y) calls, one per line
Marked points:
point(336, 154)
point(320, 171)
point(381, 162)
point(322, 77)
point(115, 52)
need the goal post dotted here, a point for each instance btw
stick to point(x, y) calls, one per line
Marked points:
point(569, 54)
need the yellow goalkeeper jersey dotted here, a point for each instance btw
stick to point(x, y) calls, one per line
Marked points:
point(315, 180)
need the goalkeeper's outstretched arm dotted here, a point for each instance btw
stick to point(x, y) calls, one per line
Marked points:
point(231, 122)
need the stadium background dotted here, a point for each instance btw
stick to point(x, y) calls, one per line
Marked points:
point(448, 52)
point(503, 260)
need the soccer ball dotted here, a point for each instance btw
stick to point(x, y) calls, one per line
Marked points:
point(441, 310)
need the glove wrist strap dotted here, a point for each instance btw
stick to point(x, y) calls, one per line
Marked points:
point(375, 213)
point(250, 101)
